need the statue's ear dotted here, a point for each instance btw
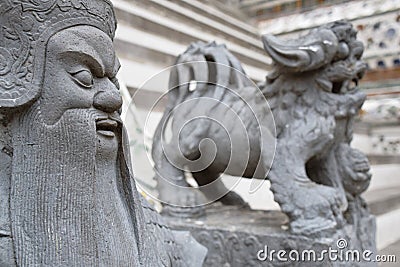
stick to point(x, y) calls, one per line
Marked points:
point(307, 53)
point(285, 55)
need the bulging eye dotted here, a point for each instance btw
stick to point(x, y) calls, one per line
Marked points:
point(342, 52)
point(83, 78)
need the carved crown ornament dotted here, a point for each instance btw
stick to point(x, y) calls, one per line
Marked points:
point(25, 28)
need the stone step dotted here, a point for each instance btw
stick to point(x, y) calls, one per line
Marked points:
point(251, 7)
point(200, 20)
point(148, 48)
point(393, 249)
point(219, 16)
point(385, 176)
point(134, 16)
point(150, 77)
point(231, 8)
point(383, 200)
point(387, 225)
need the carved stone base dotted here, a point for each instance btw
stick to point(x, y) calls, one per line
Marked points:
point(238, 237)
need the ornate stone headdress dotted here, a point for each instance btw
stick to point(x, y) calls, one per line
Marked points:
point(25, 28)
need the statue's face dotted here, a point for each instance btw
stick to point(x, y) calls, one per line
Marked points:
point(80, 71)
point(73, 133)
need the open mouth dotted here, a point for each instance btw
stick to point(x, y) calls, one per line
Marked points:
point(106, 127)
point(343, 87)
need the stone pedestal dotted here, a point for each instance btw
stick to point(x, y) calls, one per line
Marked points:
point(239, 237)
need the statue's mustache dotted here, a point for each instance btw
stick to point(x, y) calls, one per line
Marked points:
point(100, 115)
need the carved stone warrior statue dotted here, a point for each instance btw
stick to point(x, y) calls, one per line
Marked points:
point(316, 177)
point(67, 196)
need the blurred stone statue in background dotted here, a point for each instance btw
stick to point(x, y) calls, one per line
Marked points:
point(67, 194)
point(304, 149)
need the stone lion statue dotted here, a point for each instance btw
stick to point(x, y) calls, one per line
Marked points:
point(295, 129)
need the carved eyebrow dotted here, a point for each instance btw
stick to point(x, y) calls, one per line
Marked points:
point(86, 54)
point(91, 62)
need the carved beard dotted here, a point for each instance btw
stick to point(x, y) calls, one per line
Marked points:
point(63, 210)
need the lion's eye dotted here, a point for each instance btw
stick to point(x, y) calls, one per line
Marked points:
point(343, 51)
point(83, 78)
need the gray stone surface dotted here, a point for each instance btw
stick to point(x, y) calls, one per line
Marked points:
point(301, 144)
point(392, 250)
point(67, 194)
point(235, 236)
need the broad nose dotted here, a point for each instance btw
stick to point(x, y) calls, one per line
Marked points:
point(108, 101)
